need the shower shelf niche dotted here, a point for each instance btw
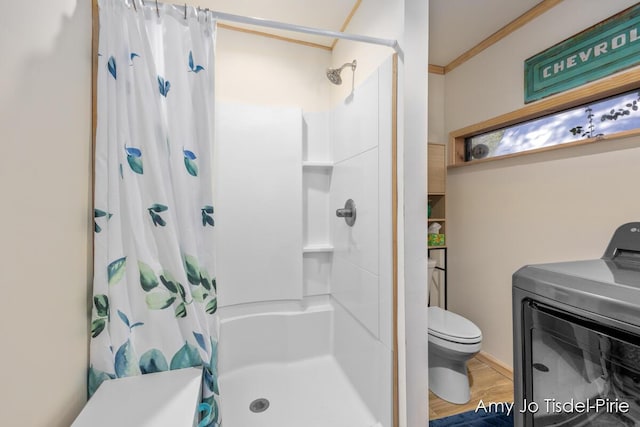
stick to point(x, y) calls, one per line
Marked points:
point(321, 170)
point(318, 168)
point(317, 173)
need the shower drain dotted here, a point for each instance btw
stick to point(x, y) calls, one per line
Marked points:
point(259, 405)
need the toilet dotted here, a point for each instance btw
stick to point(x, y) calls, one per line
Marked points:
point(453, 340)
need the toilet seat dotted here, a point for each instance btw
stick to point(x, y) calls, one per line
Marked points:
point(452, 327)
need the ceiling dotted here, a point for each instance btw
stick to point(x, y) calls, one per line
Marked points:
point(455, 26)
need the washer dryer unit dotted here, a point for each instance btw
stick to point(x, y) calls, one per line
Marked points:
point(576, 332)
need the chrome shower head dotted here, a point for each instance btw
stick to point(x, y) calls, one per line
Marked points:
point(333, 74)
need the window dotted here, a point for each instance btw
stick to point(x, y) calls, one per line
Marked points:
point(594, 120)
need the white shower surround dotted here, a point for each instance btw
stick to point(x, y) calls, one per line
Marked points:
point(336, 317)
point(258, 203)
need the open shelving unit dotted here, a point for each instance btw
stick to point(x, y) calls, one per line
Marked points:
point(436, 194)
point(436, 186)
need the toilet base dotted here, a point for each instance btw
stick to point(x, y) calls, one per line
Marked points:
point(450, 384)
point(448, 377)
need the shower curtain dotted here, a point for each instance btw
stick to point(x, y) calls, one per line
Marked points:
point(154, 291)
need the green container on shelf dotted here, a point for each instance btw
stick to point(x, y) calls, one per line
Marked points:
point(436, 239)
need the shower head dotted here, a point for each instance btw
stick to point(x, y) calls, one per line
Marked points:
point(333, 74)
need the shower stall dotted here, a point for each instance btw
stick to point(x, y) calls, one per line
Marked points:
point(305, 205)
point(305, 299)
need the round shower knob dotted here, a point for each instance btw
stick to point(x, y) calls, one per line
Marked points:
point(348, 212)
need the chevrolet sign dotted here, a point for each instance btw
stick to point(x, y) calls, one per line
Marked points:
point(604, 49)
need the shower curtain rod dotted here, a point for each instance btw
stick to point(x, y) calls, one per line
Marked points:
point(307, 30)
point(291, 27)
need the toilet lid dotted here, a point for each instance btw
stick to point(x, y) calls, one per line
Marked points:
point(452, 327)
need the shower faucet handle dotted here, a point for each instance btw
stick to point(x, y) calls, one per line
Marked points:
point(348, 212)
point(344, 213)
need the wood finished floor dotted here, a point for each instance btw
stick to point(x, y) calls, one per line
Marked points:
point(486, 383)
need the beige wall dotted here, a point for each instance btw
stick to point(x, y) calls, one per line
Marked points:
point(546, 207)
point(259, 70)
point(45, 218)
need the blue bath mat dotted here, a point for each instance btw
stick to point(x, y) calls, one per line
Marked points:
point(475, 419)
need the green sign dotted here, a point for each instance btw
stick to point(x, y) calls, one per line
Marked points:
point(604, 49)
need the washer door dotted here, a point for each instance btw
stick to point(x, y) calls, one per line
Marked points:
point(578, 371)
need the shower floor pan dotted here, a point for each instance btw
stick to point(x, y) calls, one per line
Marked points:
point(312, 392)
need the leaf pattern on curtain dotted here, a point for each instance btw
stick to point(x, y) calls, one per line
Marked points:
point(133, 55)
point(192, 66)
point(154, 212)
point(112, 67)
point(164, 86)
point(189, 162)
point(207, 216)
point(134, 158)
point(98, 213)
point(154, 292)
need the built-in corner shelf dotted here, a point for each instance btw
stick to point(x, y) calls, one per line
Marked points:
point(317, 164)
point(319, 172)
point(309, 249)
